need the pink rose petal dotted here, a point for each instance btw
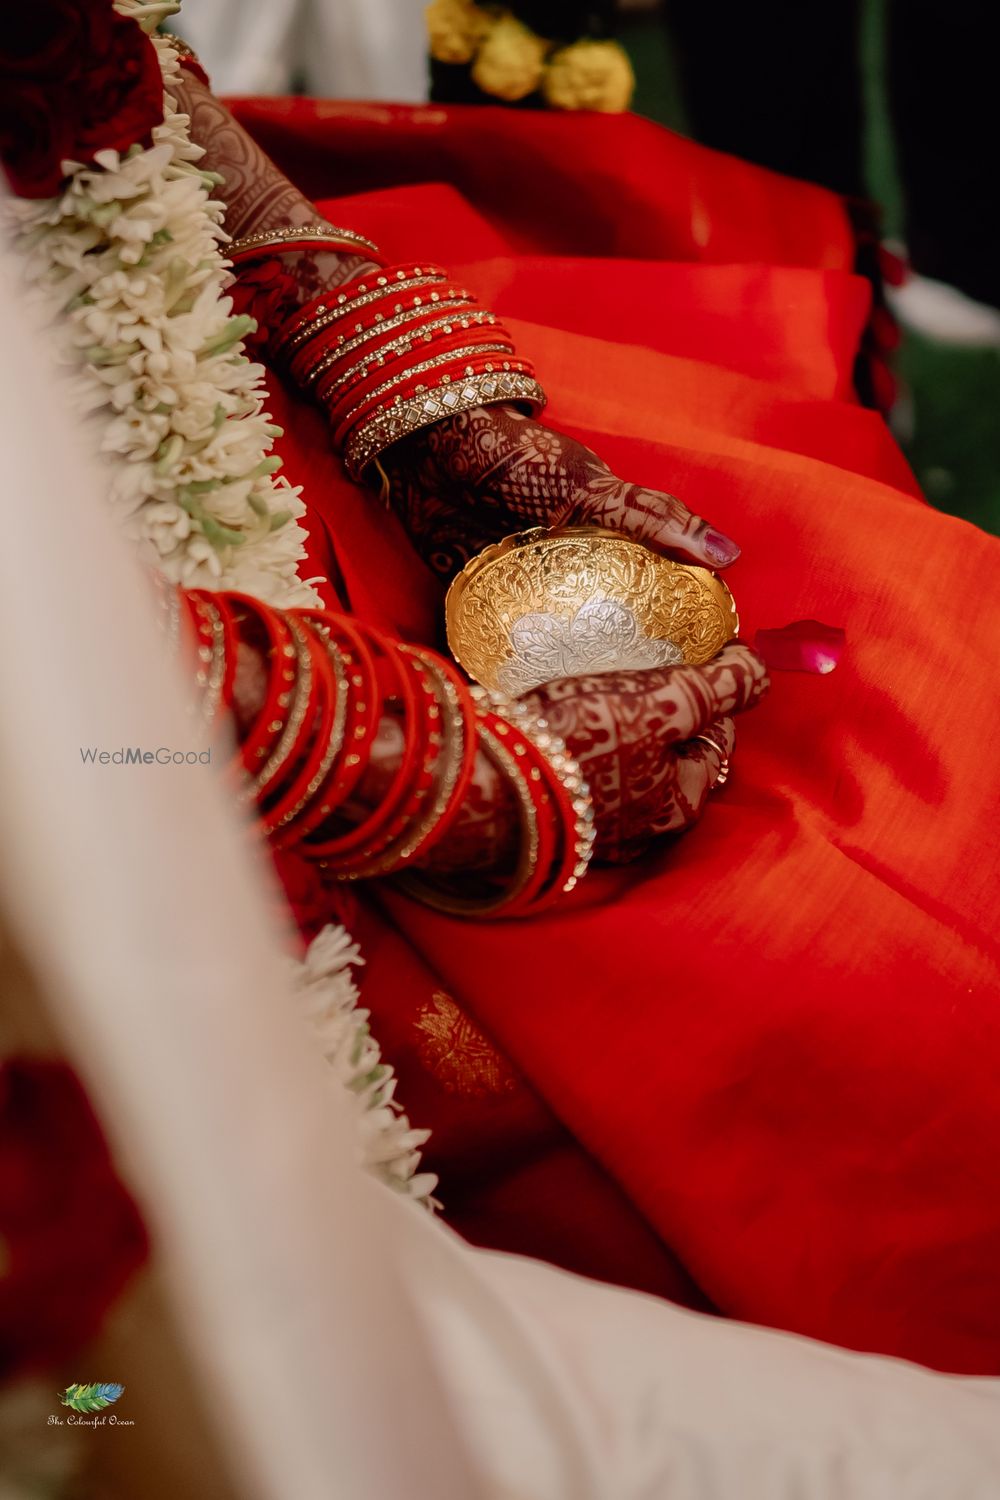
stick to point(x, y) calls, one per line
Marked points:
point(802, 646)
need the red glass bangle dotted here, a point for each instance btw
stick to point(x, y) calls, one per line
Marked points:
point(459, 756)
point(265, 629)
point(390, 683)
point(359, 844)
point(301, 711)
point(224, 634)
point(311, 752)
point(535, 855)
point(291, 825)
point(403, 821)
point(210, 649)
point(520, 760)
point(334, 364)
point(385, 369)
point(349, 300)
point(361, 721)
point(387, 389)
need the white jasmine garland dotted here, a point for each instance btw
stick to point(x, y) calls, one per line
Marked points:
point(329, 997)
point(127, 259)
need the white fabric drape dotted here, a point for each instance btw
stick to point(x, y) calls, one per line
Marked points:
point(348, 1344)
point(339, 49)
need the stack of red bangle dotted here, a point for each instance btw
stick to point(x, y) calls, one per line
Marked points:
point(554, 810)
point(337, 695)
point(397, 349)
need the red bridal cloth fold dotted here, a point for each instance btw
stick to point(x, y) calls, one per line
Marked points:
point(758, 1069)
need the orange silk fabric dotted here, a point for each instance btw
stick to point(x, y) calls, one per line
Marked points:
point(759, 1069)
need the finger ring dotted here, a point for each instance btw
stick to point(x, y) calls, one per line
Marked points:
point(720, 750)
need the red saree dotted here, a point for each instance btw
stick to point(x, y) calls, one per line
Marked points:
point(756, 1071)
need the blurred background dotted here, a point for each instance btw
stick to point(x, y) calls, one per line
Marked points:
point(888, 102)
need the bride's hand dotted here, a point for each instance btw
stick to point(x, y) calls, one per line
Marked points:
point(258, 196)
point(472, 479)
point(634, 735)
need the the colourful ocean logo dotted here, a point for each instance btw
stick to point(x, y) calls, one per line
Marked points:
point(89, 1398)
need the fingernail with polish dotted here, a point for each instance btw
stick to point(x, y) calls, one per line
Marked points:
point(721, 549)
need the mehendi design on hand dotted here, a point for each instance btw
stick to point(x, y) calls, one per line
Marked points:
point(259, 196)
point(494, 470)
point(629, 732)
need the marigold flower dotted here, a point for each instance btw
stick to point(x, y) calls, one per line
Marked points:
point(511, 60)
point(455, 28)
point(590, 75)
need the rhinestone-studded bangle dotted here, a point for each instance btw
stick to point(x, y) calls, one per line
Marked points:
point(299, 236)
point(566, 777)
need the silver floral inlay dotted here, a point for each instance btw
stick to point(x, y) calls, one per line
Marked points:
point(603, 636)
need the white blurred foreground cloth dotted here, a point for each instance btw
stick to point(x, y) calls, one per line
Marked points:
point(346, 1344)
point(338, 49)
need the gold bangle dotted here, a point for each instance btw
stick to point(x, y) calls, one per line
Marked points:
point(268, 239)
point(346, 306)
point(434, 405)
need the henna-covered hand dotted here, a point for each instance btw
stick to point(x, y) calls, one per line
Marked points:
point(258, 195)
point(476, 477)
point(633, 735)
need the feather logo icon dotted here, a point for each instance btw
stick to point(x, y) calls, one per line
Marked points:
point(88, 1398)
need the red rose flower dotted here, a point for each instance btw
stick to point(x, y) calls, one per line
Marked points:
point(34, 140)
point(70, 1236)
point(48, 41)
point(75, 77)
point(123, 95)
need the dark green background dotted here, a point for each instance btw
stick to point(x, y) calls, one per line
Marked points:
point(949, 417)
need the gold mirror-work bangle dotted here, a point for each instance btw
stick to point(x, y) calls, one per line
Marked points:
point(434, 405)
point(451, 357)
